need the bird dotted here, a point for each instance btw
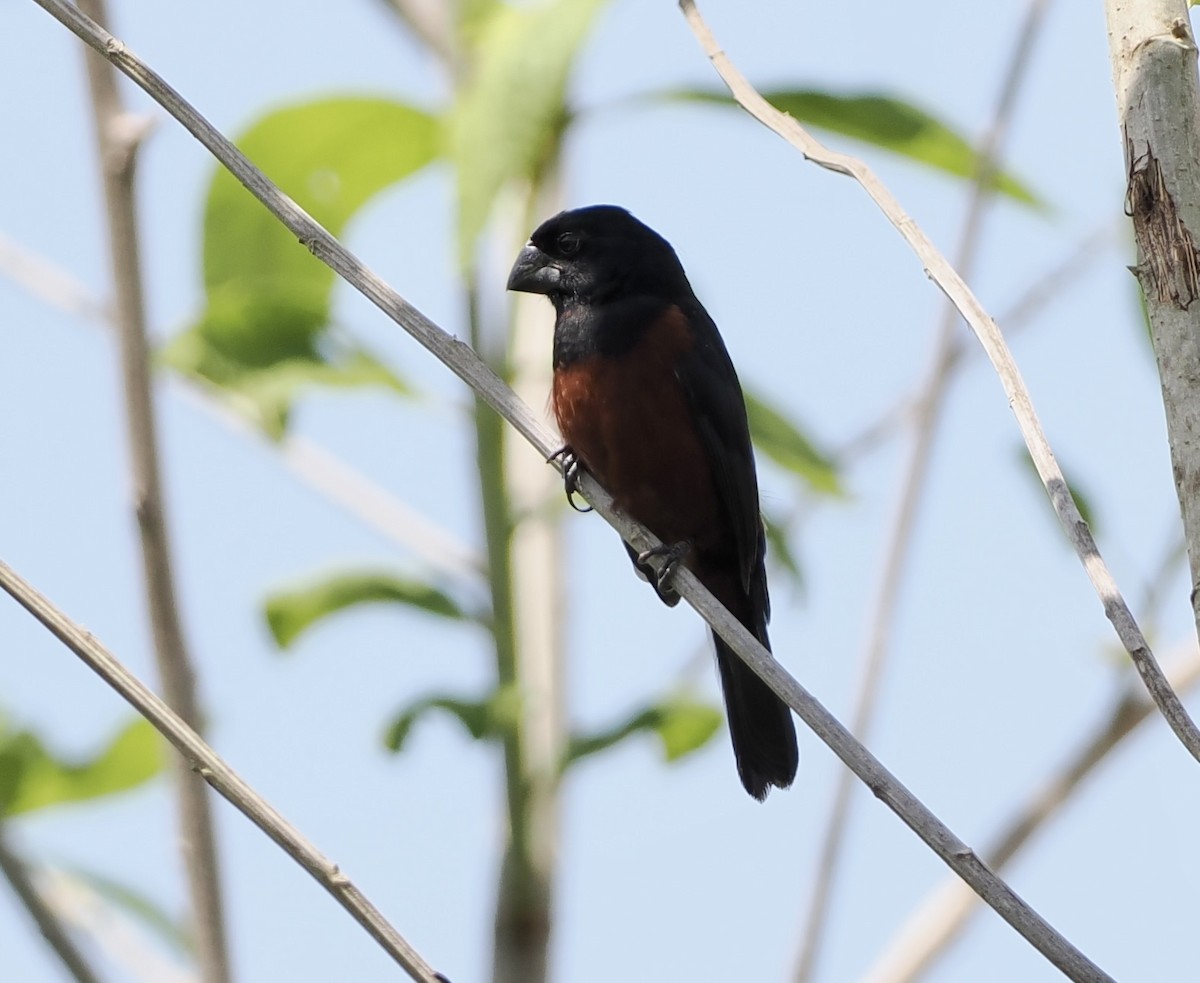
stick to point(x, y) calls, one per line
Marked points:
point(648, 403)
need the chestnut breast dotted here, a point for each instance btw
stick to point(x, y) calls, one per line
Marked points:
point(627, 419)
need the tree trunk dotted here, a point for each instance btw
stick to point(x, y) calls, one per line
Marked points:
point(1155, 77)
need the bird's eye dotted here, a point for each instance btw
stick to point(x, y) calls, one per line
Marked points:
point(569, 243)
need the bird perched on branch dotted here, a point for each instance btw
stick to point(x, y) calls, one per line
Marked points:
point(648, 402)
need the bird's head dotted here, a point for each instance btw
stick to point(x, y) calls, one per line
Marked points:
point(591, 254)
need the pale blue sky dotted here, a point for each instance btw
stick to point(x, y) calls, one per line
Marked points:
point(1002, 657)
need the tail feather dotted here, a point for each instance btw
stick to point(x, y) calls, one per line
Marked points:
point(760, 724)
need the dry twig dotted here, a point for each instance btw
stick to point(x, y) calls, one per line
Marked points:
point(941, 918)
point(118, 137)
point(314, 465)
point(218, 774)
point(16, 872)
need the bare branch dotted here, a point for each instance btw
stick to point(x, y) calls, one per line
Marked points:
point(53, 931)
point(941, 918)
point(118, 137)
point(988, 333)
point(926, 421)
point(1049, 285)
point(49, 283)
point(373, 505)
point(217, 773)
point(464, 362)
point(1036, 296)
point(112, 931)
point(315, 466)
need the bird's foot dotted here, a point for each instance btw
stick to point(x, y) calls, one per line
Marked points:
point(672, 555)
point(570, 472)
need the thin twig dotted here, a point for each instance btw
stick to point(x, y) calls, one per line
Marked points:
point(111, 931)
point(1036, 296)
point(374, 506)
point(1049, 285)
point(942, 916)
point(316, 466)
point(49, 283)
point(53, 931)
point(464, 362)
point(926, 421)
point(118, 137)
point(217, 773)
point(988, 333)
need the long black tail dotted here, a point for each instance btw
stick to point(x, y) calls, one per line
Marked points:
point(760, 723)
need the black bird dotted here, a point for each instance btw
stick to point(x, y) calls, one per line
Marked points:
point(648, 402)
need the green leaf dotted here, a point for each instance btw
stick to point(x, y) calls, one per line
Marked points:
point(266, 394)
point(473, 15)
point(681, 724)
point(32, 778)
point(141, 906)
point(268, 298)
point(511, 113)
point(485, 720)
point(290, 613)
point(882, 121)
point(1082, 501)
point(685, 726)
point(781, 440)
point(331, 156)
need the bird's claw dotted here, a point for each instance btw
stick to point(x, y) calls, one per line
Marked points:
point(570, 472)
point(672, 555)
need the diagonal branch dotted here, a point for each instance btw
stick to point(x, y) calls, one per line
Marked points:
point(314, 465)
point(1048, 286)
point(113, 933)
point(218, 774)
point(464, 362)
point(941, 918)
point(926, 421)
point(16, 872)
point(989, 336)
point(118, 136)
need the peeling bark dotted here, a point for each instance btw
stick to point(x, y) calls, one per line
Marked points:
point(1168, 270)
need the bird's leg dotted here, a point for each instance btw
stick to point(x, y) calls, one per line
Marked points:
point(570, 473)
point(672, 555)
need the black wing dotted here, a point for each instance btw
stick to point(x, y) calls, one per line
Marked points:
point(714, 395)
